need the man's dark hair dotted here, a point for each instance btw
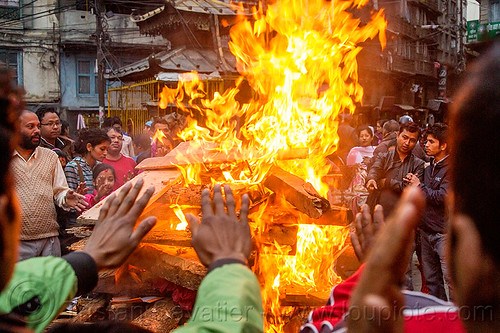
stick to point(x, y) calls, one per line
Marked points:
point(100, 167)
point(45, 109)
point(381, 122)
point(439, 131)
point(64, 125)
point(391, 126)
point(475, 116)
point(111, 121)
point(158, 120)
point(94, 136)
point(411, 127)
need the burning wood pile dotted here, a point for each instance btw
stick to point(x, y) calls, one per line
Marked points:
point(299, 58)
point(293, 227)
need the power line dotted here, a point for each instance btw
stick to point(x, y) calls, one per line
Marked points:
point(20, 8)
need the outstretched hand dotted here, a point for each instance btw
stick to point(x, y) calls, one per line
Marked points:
point(367, 229)
point(76, 201)
point(377, 302)
point(82, 188)
point(220, 235)
point(114, 237)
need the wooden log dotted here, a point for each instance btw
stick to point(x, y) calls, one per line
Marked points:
point(276, 214)
point(336, 215)
point(300, 298)
point(192, 152)
point(181, 238)
point(150, 262)
point(91, 309)
point(163, 316)
point(162, 180)
point(297, 192)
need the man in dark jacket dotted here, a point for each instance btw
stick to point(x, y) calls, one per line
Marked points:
point(433, 225)
point(388, 175)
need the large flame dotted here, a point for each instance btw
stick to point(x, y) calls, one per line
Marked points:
point(299, 58)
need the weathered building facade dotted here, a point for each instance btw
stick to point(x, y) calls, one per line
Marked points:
point(51, 46)
point(424, 53)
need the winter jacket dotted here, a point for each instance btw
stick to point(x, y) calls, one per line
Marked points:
point(387, 142)
point(228, 300)
point(435, 187)
point(389, 166)
point(40, 287)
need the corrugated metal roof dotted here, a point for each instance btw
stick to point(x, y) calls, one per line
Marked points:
point(206, 6)
point(196, 6)
point(182, 59)
point(174, 77)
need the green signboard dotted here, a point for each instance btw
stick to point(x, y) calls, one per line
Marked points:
point(481, 32)
point(472, 31)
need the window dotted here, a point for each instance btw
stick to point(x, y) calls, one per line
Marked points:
point(87, 78)
point(12, 59)
point(494, 12)
point(9, 10)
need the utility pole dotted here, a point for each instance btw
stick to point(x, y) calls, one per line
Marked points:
point(101, 67)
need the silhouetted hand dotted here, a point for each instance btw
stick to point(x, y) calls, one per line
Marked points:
point(220, 235)
point(76, 201)
point(114, 237)
point(367, 229)
point(377, 302)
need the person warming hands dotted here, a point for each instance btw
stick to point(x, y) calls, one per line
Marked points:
point(230, 292)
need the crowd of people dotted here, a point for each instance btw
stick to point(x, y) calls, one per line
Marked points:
point(443, 192)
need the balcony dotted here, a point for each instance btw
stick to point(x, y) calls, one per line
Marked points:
point(431, 4)
point(397, 24)
point(423, 67)
point(403, 65)
point(413, 67)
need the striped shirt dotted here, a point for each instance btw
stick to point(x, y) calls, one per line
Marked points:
point(73, 177)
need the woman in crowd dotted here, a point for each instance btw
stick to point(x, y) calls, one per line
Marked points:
point(359, 156)
point(92, 145)
point(103, 179)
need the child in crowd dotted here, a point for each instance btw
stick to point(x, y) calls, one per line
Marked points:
point(103, 179)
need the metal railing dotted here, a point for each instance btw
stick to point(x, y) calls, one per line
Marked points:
point(129, 103)
point(135, 104)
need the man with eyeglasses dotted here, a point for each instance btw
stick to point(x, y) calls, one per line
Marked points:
point(50, 130)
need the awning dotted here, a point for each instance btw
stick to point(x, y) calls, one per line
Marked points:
point(198, 6)
point(437, 105)
point(404, 107)
point(177, 61)
point(175, 77)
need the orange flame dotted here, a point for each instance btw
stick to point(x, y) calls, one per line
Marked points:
point(299, 58)
point(178, 212)
point(159, 136)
